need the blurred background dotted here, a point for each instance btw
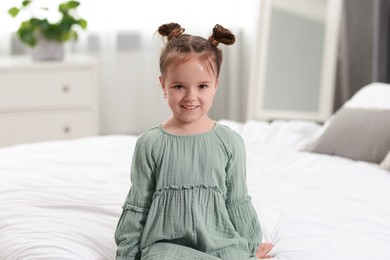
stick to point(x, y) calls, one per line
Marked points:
point(121, 37)
point(121, 34)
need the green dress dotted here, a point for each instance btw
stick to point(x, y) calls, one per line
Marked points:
point(188, 199)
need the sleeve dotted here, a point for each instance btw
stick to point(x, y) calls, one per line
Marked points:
point(136, 207)
point(238, 203)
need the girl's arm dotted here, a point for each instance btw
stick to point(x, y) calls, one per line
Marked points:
point(238, 203)
point(136, 207)
point(129, 231)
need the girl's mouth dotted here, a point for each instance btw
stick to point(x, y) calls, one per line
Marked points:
point(189, 107)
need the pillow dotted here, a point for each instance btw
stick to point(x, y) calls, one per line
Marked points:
point(373, 95)
point(356, 133)
point(385, 164)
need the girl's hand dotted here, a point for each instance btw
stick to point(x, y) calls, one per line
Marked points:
point(263, 249)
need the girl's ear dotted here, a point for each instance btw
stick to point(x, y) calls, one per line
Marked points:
point(161, 78)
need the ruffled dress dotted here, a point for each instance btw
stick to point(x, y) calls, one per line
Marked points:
point(188, 199)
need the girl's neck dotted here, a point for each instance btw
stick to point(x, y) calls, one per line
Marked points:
point(174, 126)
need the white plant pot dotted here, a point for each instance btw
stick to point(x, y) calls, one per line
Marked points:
point(48, 50)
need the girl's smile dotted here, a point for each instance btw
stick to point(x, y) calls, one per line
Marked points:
point(189, 107)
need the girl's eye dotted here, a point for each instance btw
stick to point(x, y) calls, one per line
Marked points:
point(203, 86)
point(178, 86)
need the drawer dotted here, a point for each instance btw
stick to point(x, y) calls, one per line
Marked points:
point(18, 128)
point(35, 89)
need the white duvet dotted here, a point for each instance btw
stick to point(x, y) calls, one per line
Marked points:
point(62, 200)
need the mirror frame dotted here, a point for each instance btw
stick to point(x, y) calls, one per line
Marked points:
point(255, 108)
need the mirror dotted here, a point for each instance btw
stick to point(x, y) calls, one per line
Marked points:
point(294, 72)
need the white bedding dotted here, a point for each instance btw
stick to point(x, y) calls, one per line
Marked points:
point(62, 200)
point(315, 206)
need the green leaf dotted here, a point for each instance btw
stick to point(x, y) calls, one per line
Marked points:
point(26, 33)
point(44, 24)
point(52, 32)
point(74, 35)
point(67, 36)
point(26, 3)
point(14, 11)
point(83, 23)
point(67, 23)
point(65, 7)
point(73, 4)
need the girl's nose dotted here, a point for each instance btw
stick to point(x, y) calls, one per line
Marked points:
point(190, 94)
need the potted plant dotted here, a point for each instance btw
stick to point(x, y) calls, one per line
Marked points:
point(47, 37)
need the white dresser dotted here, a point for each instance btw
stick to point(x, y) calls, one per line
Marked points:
point(50, 100)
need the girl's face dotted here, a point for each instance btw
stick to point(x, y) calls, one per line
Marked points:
point(190, 88)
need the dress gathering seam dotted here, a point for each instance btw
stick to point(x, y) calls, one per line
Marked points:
point(188, 187)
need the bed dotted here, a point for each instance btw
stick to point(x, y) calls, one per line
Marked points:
point(315, 200)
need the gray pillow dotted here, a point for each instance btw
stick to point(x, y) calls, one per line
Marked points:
point(356, 133)
point(385, 164)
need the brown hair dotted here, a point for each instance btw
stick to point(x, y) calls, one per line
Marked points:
point(179, 43)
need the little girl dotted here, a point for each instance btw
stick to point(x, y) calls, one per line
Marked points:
point(188, 198)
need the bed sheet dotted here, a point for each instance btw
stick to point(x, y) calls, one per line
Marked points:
point(315, 206)
point(62, 200)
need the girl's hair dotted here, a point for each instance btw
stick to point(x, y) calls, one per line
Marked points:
point(179, 43)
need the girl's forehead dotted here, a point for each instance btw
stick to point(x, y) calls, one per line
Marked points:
point(195, 60)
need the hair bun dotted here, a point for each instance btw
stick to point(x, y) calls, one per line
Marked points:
point(170, 30)
point(221, 35)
